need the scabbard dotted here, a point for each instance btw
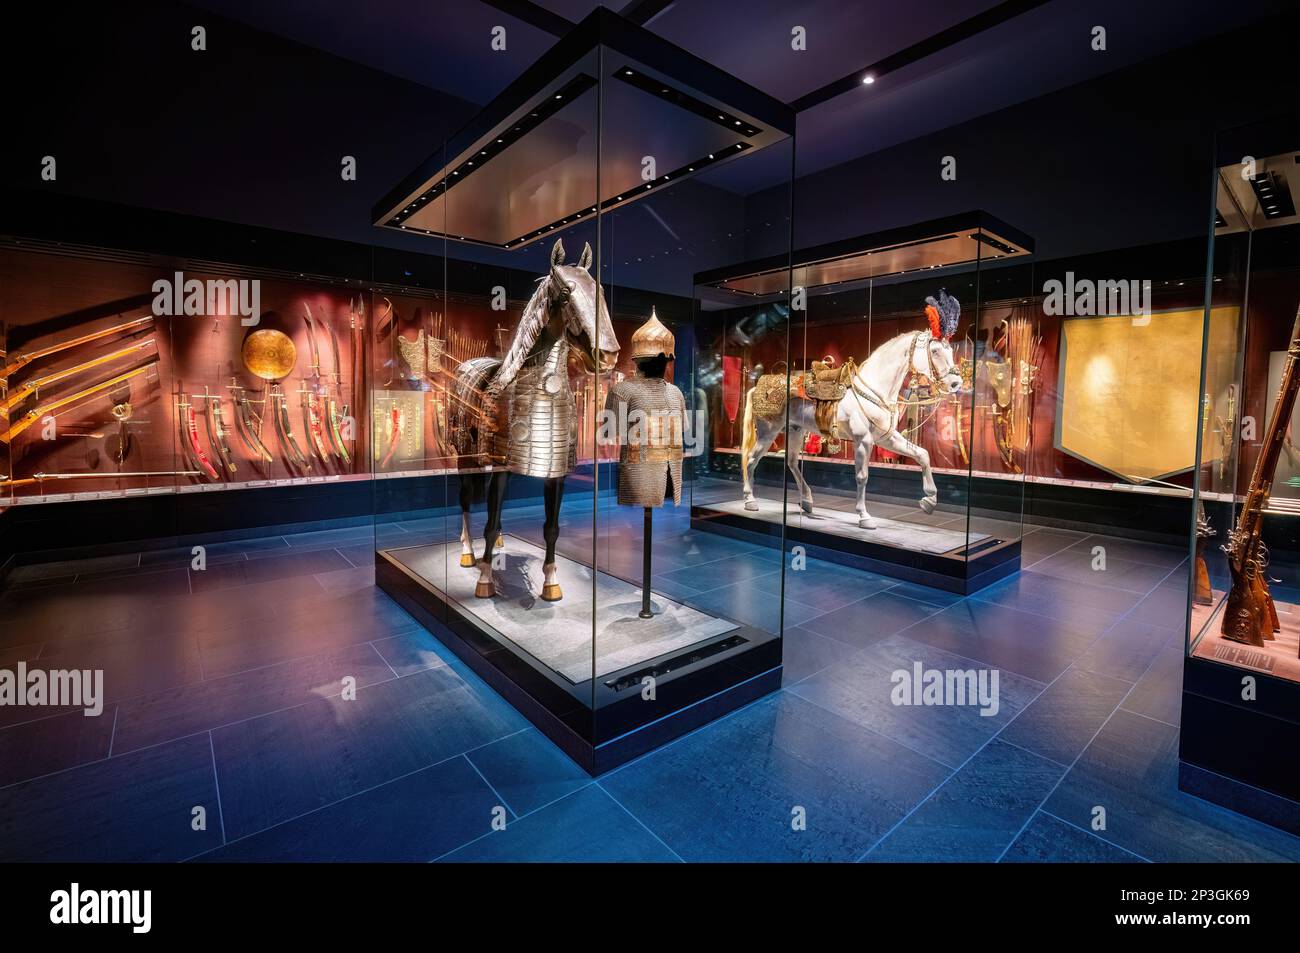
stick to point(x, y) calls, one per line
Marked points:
point(332, 415)
point(311, 423)
point(397, 438)
point(285, 431)
point(247, 432)
point(216, 433)
point(196, 448)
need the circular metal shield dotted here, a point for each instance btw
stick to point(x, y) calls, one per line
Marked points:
point(269, 354)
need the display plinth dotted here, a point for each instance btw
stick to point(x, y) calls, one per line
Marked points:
point(538, 654)
point(1235, 750)
point(929, 555)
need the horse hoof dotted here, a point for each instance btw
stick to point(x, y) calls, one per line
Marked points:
point(927, 505)
point(551, 592)
point(501, 542)
point(467, 560)
point(751, 505)
point(484, 588)
point(806, 507)
point(868, 523)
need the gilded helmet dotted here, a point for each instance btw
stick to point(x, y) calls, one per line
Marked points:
point(652, 339)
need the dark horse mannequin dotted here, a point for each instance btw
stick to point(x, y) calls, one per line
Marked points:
point(528, 407)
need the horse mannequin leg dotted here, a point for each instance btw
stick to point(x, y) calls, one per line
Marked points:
point(852, 419)
point(899, 444)
point(466, 545)
point(793, 447)
point(748, 446)
point(862, 448)
point(553, 490)
point(496, 497)
point(765, 434)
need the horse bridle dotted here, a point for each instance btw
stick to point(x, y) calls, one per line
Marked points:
point(891, 407)
point(933, 372)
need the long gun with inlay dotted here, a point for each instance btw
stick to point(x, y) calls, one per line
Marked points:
point(21, 393)
point(23, 359)
point(32, 416)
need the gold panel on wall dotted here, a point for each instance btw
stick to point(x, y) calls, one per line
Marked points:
point(1128, 398)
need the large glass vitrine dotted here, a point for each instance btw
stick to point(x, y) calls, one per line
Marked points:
point(895, 434)
point(1241, 688)
point(540, 524)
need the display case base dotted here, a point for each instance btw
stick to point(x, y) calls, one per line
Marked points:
point(1240, 722)
point(532, 652)
point(929, 555)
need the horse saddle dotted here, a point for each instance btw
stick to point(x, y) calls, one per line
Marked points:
point(823, 383)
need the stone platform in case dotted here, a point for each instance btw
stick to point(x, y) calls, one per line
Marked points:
point(538, 654)
point(558, 634)
point(914, 536)
point(935, 556)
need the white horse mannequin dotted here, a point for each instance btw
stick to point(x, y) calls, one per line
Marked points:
point(868, 415)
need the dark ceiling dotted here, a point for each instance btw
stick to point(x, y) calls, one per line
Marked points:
point(446, 46)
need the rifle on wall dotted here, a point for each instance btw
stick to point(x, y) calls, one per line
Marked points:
point(1250, 617)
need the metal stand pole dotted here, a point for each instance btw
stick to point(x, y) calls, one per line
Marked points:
point(645, 612)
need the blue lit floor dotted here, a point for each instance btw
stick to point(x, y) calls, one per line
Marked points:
point(223, 693)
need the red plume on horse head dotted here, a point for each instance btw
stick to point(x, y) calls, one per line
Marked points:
point(943, 315)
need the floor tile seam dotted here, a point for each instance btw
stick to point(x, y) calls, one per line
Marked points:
point(1092, 834)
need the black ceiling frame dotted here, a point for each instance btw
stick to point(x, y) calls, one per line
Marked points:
point(990, 18)
point(642, 11)
point(974, 223)
point(630, 42)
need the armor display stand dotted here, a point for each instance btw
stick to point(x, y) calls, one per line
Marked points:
point(652, 462)
point(646, 534)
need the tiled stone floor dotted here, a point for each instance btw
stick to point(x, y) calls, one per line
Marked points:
point(224, 691)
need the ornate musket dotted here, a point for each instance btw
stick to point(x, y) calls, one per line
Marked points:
point(23, 359)
point(1250, 617)
point(34, 415)
point(19, 394)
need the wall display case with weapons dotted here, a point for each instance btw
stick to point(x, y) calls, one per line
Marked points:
point(109, 391)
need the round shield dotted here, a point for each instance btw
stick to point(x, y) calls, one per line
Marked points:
point(269, 354)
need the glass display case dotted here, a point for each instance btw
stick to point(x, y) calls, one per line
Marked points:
point(127, 375)
point(896, 432)
point(1242, 674)
point(547, 538)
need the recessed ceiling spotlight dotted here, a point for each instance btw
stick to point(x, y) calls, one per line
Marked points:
point(868, 79)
